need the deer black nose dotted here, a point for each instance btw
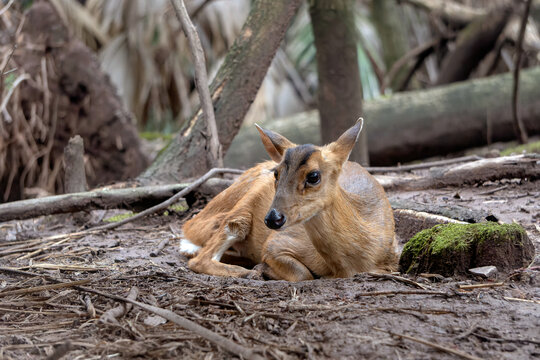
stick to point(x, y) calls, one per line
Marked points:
point(274, 219)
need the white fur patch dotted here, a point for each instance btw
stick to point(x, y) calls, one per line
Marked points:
point(188, 248)
point(231, 239)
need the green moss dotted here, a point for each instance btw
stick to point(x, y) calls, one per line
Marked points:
point(419, 242)
point(9, 79)
point(178, 207)
point(497, 232)
point(453, 237)
point(119, 217)
point(533, 147)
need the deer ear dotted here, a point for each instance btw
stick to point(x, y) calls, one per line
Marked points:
point(274, 143)
point(342, 147)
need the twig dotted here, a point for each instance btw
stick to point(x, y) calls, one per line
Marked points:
point(160, 247)
point(16, 83)
point(467, 332)
point(209, 335)
point(171, 200)
point(45, 287)
point(62, 267)
point(201, 81)
point(479, 286)
point(60, 351)
point(398, 278)
point(425, 165)
point(401, 292)
point(523, 300)
point(90, 309)
point(519, 127)
point(421, 50)
point(6, 8)
point(203, 332)
point(112, 315)
point(502, 339)
point(493, 190)
point(432, 344)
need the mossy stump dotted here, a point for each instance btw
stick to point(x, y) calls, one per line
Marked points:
point(452, 249)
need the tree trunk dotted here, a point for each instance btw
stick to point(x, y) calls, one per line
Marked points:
point(418, 124)
point(340, 89)
point(233, 90)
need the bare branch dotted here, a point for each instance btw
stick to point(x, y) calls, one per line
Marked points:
point(201, 81)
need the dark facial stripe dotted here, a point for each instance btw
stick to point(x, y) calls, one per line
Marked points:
point(306, 157)
point(298, 155)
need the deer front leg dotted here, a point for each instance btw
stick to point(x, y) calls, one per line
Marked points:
point(208, 260)
point(291, 256)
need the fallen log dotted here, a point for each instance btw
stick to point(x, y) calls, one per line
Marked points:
point(454, 212)
point(525, 166)
point(409, 222)
point(472, 45)
point(132, 198)
point(417, 124)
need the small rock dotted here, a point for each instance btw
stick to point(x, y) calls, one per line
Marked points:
point(508, 347)
point(154, 320)
point(487, 272)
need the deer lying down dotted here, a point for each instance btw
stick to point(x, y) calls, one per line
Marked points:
point(308, 213)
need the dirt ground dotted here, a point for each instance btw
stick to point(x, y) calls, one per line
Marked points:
point(344, 318)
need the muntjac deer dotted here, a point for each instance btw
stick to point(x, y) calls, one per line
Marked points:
point(308, 213)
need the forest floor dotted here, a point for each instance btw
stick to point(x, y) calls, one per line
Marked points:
point(344, 318)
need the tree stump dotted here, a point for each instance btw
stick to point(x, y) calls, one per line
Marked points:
point(452, 249)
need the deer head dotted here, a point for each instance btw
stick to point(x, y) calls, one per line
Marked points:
point(306, 176)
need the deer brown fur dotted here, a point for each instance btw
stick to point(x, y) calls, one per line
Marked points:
point(331, 217)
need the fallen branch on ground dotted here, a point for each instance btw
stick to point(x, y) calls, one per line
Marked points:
point(401, 292)
point(397, 278)
point(112, 315)
point(432, 344)
point(60, 285)
point(201, 331)
point(104, 199)
point(480, 286)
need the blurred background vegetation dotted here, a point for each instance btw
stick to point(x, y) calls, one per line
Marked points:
point(142, 48)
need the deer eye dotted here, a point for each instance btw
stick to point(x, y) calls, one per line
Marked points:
point(313, 178)
point(276, 174)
